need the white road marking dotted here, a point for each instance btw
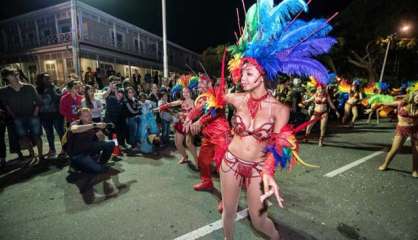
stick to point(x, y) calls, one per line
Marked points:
point(211, 227)
point(205, 230)
point(353, 164)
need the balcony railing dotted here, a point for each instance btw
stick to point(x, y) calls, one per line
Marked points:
point(56, 39)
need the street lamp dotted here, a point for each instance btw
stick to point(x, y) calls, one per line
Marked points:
point(403, 29)
point(165, 57)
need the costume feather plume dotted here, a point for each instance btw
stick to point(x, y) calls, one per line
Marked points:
point(281, 46)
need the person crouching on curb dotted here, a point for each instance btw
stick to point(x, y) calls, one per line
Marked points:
point(88, 150)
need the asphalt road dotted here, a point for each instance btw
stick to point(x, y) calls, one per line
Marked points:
point(157, 201)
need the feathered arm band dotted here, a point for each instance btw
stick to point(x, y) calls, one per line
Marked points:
point(283, 151)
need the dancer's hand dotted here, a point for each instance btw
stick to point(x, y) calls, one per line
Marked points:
point(270, 188)
point(186, 125)
point(338, 114)
point(195, 128)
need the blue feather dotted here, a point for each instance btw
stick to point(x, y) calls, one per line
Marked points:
point(303, 67)
point(283, 159)
point(176, 89)
point(313, 47)
point(342, 98)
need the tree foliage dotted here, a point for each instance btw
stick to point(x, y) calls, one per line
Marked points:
point(363, 28)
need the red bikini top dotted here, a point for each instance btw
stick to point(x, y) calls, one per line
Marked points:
point(321, 99)
point(404, 113)
point(261, 134)
point(186, 108)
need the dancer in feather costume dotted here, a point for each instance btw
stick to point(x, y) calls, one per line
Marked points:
point(321, 99)
point(354, 97)
point(407, 126)
point(186, 84)
point(271, 44)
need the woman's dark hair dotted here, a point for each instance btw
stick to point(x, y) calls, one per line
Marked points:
point(71, 84)
point(127, 90)
point(40, 83)
point(89, 102)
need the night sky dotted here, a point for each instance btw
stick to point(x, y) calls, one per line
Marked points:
point(194, 24)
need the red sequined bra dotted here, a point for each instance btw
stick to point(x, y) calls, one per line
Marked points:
point(321, 99)
point(261, 134)
point(404, 113)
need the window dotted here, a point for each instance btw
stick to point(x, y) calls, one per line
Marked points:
point(136, 45)
point(119, 39)
point(64, 25)
point(46, 33)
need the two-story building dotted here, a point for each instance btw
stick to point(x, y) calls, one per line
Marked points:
point(41, 41)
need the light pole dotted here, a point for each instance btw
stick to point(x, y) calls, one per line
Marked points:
point(74, 37)
point(165, 58)
point(403, 29)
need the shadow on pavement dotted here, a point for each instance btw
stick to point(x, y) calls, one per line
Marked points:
point(91, 190)
point(18, 170)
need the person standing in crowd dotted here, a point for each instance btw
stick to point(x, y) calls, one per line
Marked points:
point(132, 111)
point(89, 77)
point(148, 81)
point(114, 111)
point(99, 78)
point(139, 89)
point(90, 101)
point(136, 78)
point(49, 111)
point(3, 124)
point(22, 103)
point(70, 102)
point(155, 78)
point(166, 119)
point(148, 129)
point(153, 96)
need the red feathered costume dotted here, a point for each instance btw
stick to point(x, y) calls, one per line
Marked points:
point(216, 137)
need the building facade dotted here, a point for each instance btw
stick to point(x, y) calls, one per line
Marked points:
point(42, 41)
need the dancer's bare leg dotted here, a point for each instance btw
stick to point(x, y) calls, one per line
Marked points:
point(260, 220)
point(309, 128)
point(230, 189)
point(377, 116)
point(347, 111)
point(354, 110)
point(179, 139)
point(324, 122)
point(398, 142)
point(191, 147)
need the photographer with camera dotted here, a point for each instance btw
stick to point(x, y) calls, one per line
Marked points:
point(86, 144)
point(114, 110)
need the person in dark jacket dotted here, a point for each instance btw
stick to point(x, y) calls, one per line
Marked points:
point(114, 111)
point(132, 107)
point(49, 112)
